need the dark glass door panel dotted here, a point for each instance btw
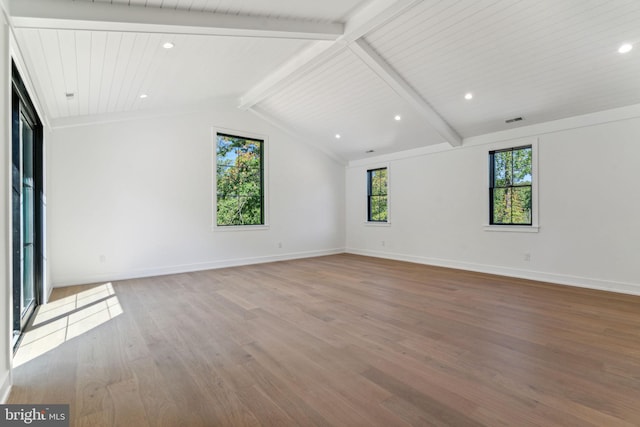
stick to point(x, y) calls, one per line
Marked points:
point(26, 206)
point(28, 220)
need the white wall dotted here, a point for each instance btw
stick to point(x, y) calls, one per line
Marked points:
point(588, 199)
point(139, 194)
point(5, 193)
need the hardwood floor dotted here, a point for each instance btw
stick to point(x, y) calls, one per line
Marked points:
point(341, 340)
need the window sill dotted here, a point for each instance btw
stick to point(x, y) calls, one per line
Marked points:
point(513, 228)
point(225, 228)
point(377, 224)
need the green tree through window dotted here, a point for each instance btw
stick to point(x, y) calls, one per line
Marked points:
point(377, 195)
point(239, 181)
point(510, 186)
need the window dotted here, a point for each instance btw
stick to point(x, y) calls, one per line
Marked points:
point(510, 186)
point(239, 180)
point(377, 195)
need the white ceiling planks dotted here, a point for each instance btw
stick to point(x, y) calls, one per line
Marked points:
point(34, 58)
point(374, 15)
point(543, 60)
point(338, 66)
point(108, 71)
point(67, 43)
point(96, 56)
point(82, 43)
point(171, 72)
point(135, 71)
point(49, 42)
point(344, 96)
point(113, 57)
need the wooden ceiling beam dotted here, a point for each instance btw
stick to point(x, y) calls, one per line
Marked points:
point(392, 78)
point(98, 16)
point(372, 16)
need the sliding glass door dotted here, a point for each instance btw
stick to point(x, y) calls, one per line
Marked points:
point(26, 206)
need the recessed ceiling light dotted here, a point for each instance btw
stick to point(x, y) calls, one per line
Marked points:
point(468, 96)
point(143, 96)
point(338, 136)
point(168, 45)
point(625, 48)
point(370, 151)
point(397, 118)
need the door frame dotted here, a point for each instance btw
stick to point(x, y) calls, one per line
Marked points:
point(21, 105)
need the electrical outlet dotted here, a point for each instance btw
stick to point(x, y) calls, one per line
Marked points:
point(103, 258)
point(383, 243)
point(280, 245)
point(527, 256)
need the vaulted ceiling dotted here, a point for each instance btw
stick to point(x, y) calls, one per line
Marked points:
point(336, 67)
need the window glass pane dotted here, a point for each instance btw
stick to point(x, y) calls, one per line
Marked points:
point(378, 182)
point(375, 179)
point(382, 205)
point(521, 205)
point(221, 169)
point(239, 181)
point(226, 153)
point(378, 208)
point(249, 156)
point(373, 207)
point(227, 181)
point(249, 183)
point(383, 181)
point(228, 210)
point(250, 210)
point(501, 206)
point(502, 163)
point(522, 166)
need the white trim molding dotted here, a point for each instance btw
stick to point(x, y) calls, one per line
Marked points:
point(512, 228)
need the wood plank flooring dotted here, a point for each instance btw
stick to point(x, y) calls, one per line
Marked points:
point(341, 340)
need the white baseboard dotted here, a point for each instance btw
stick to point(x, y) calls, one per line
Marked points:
point(5, 387)
point(561, 279)
point(187, 268)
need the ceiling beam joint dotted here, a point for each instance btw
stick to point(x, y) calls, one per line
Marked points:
point(372, 16)
point(391, 77)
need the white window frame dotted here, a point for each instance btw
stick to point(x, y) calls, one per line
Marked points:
point(214, 190)
point(386, 223)
point(535, 226)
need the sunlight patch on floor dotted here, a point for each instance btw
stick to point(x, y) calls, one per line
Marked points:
point(67, 318)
